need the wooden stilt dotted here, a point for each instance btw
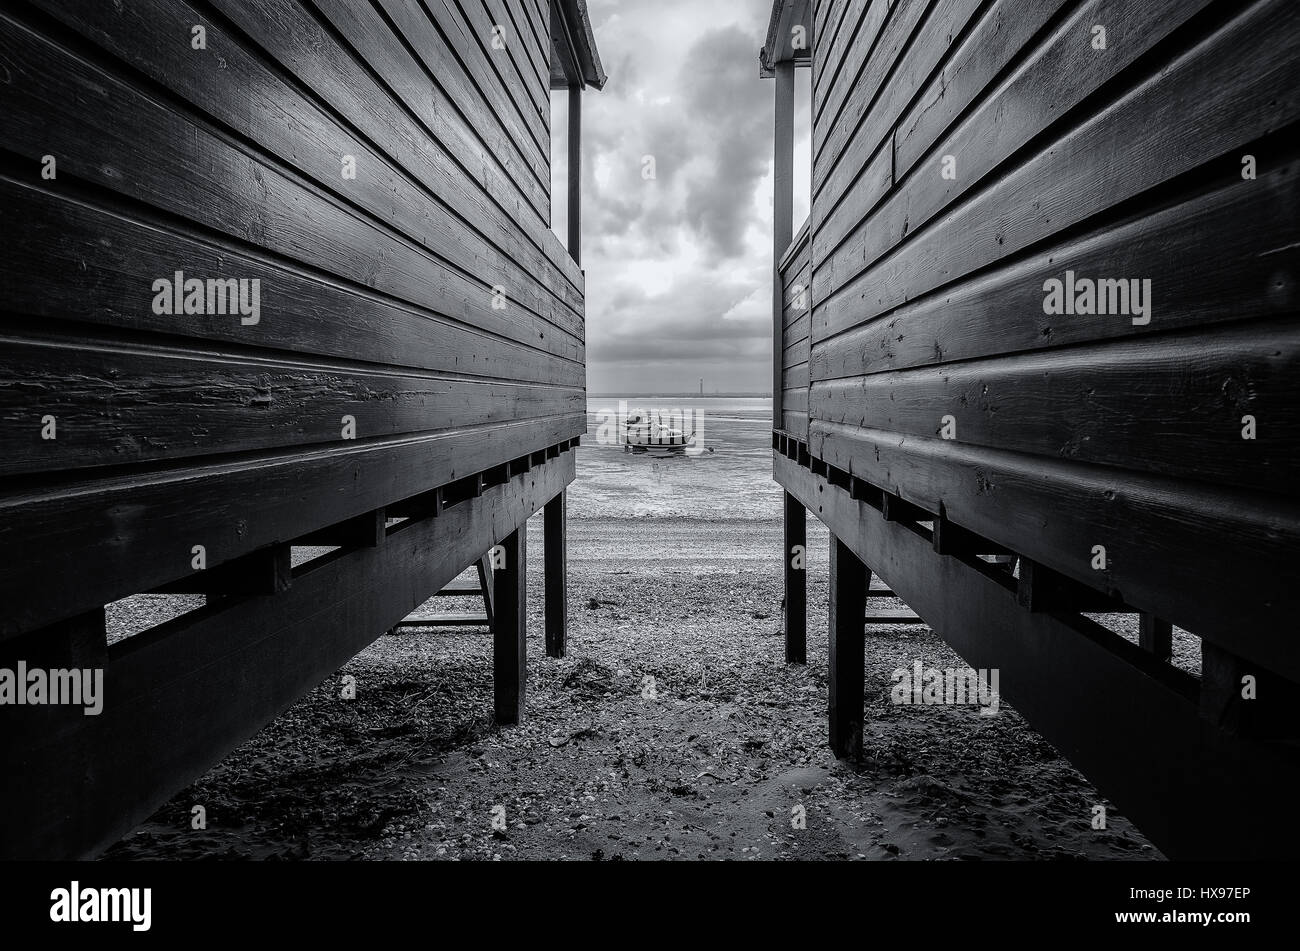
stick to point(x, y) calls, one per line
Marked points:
point(796, 581)
point(509, 633)
point(555, 556)
point(849, 582)
point(1156, 636)
point(484, 568)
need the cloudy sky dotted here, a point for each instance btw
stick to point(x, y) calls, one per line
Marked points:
point(679, 266)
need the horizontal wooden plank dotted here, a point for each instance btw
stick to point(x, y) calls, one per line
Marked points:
point(96, 265)
point(796, 330)
point(844, 52)
point(284, 120)
point(1053, 666)
point(189, 171)
point(116, 404)
point(866, 67)
point(1154, 529)
point(795, 399)
point(522, 41)
point(453, 56)
point(460, 591)
point(796, 254)
point(526, 86)
point(446, 619)
point(1001, 37)
point(796, 356)
point(794, 282)
point(1250, 270)
point(1110, 157)
point(1172, 405)
point(866, 124)
point(138, 530)
point(822, 10)
point(186, 693)
point(891, 617)
point(415, 124)
point(795, 423)
point(853, 190)
point(369, 32)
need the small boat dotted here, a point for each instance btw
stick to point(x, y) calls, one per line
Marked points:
point(648, 432)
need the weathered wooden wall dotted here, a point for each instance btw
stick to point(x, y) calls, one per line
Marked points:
point(795, 314)
point(376, 291)
point(1071, 431)
point(424, 298)
point(965, 154)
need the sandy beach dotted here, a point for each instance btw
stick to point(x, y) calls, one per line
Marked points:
point(672, 730)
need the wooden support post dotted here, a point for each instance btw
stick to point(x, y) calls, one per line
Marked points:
point(575, 173)
point(556, 568)
point(1156, 635)
point(485, 583)
point(782, 220)
point(849, 582)
point(796, 581)
point(510, 632)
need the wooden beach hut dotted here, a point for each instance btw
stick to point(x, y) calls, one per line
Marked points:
point(1044, 313)
point(278, 274)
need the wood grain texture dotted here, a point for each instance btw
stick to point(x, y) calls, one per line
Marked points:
point(376, 304)
point(96, 267)
point(191, 172)
point(138, 528)
point(413, 54)
point(117, 404)
point(289, 122)
point(1053, 667)
point(1114, 155)
point(1249, 271)
point(416, 125)
point(1156, 530)
point(1173, 406)
point(186, 693)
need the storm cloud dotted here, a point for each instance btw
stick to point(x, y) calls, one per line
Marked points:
point(677, 197)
